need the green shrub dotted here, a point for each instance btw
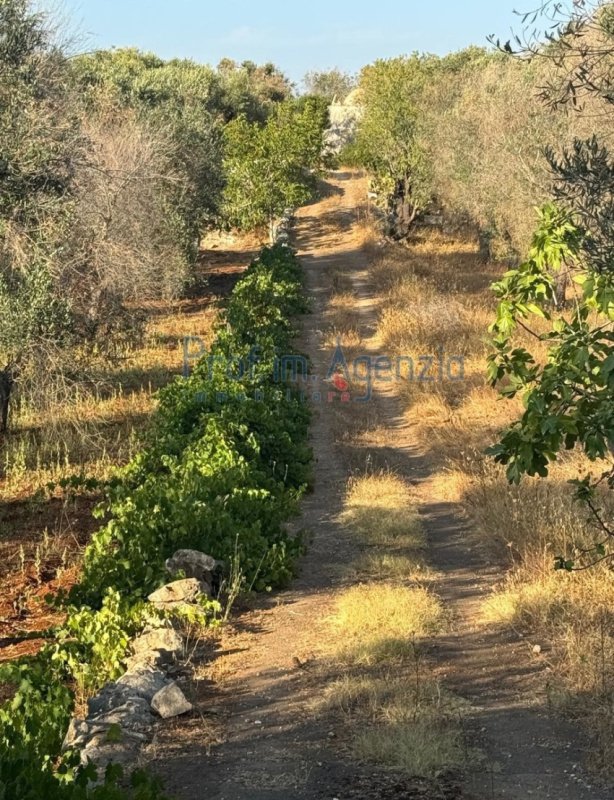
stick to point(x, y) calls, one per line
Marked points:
point(23, 779)
point(224, 465)
point(222, 469)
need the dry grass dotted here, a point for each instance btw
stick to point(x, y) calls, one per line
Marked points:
point(380, 509)
point(397, 713)
point(381, 622)
point(436, 303)
point(343, 321)
point(435, 293)
point(406, 724)
point(424, 747)
point(390, 566)
point(95, 427)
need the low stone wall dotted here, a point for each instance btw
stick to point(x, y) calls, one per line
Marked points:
point(122, 717)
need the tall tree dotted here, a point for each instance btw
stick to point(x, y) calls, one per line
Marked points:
point(387, 143)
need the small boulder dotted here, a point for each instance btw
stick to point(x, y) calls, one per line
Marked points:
point(158, 646)
point(145, 682)
point(171, 702)
point(195, 564)
point(178, 593)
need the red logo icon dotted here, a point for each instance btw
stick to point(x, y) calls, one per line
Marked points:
point(340, 383)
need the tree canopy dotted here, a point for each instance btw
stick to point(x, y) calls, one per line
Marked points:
point(333, 85)
point(269, 168)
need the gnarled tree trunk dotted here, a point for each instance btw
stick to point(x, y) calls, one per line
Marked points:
point(560, 288)
point(7, 382)
point(403, 209)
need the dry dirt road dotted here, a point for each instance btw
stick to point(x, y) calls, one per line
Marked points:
point(259, 734)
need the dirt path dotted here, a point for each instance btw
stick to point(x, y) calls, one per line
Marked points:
point(273, 745)
point(258, 735)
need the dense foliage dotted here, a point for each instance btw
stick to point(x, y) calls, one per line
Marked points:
point(271, 167)
point(112, 165)
point(222, 470)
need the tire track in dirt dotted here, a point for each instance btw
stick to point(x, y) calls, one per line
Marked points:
point(259, 735)
point(529, 752)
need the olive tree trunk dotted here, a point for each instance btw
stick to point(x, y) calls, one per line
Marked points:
point(403, 208)
point(6, 387)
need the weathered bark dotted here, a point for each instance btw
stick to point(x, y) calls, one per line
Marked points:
point(6, 386)
point(560, 288)
point(403, 208)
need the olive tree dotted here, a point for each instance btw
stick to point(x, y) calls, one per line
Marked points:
point(387, 144)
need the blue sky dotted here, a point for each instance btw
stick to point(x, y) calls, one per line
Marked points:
point(297, 35)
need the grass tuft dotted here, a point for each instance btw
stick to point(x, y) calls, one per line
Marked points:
point(380, 509)
point(381, 622)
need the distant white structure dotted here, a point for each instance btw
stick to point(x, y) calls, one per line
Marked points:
point(344, 118)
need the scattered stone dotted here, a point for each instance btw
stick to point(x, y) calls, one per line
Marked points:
point(195, 564)
point(537, 650)
point(145, 682)
point(158, 646)
point(178, 592)
point(171, 702)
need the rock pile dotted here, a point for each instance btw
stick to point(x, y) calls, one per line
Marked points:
point(282, 227)
point(122, 716)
